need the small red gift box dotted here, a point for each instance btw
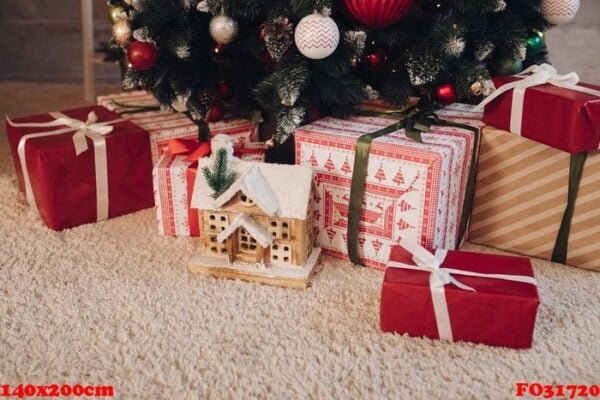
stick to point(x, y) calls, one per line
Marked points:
point(455, 295)
point(81, 165)
point(548, 108)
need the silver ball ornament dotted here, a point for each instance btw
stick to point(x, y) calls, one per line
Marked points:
point(223, 29)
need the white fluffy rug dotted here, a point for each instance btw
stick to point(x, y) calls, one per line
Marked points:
point(112, 304)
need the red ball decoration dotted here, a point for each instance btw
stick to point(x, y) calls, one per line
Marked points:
point(376, 60)
point(446, 94)
point(224, 90)
point(142, 55)
point(378, 13)
point(217, 112)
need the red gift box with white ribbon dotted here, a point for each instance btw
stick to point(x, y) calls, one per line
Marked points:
point(81, 165)
point(459, 296)
point(549, 108)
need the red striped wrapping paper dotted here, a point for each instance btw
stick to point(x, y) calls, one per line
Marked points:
point(165, 125)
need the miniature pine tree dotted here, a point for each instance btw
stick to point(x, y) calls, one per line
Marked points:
point(220, 178)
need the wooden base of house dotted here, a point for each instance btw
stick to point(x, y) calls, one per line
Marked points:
point(287, 276)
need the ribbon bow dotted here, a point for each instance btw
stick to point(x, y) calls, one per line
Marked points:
point(414, 120)
point(535, 75)
point(440, 277)
point(192, 148)
point(425, 261)
point(90, 128)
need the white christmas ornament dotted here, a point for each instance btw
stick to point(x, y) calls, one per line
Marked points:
point(559, 11)
point(223, 29)
point(317, 36)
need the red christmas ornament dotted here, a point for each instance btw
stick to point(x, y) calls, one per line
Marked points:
point(217, 112)
point(142, 55)
point(224, 90)
point(262, 31)
point(376, 60)
point(378, 13)
point(446, 93)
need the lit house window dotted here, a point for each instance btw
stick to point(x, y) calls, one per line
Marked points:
point(246, 242)
point(216, 222)
point(281, 253)
point(246, 201)
point(216, 248)
point(280, 229)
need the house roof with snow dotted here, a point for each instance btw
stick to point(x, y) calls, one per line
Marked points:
point(277, 189)
point(260, 234)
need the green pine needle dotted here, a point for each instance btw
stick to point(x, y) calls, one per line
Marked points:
point(220, 178)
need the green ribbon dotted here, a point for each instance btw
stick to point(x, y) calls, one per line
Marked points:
point(415, 122)
point(561, 246)
point(135, 109)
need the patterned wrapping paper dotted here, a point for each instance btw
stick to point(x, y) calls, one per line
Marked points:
point(173, 178)
point(521, 197)
point(165, 125)
point(412, 188)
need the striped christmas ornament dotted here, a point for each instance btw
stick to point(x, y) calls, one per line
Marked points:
point(559, 11)
point(378, 13)
point(317, 36)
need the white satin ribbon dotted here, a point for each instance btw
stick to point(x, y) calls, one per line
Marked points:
point(88, 129)
point(535, 75)
point(440, 277)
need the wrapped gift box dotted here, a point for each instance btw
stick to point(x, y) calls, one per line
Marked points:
point(412, 188)
point(560, 117)
point(174, 176)
point(522, 196)
point(492, 299)
point(165, 125)
point(65, 187)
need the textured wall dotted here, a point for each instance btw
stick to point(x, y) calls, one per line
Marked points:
point(576, 46)
point(40, 40)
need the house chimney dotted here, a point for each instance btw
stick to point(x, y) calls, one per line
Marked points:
point(222, 142)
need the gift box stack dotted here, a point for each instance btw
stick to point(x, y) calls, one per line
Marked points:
point(93, 163)
point(539, 169)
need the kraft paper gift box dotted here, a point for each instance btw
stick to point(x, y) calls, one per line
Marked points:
point(459, 296)
point(542, 105)
point(165, 125)
point(75, 169)
point(174, 176)
point(529, 200)
point(411, 188)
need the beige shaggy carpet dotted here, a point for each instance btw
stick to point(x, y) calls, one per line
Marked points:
point(112, 304)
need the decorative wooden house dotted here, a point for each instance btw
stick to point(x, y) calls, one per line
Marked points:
point(260, 227)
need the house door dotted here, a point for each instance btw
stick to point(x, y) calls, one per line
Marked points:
point(248, 249)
